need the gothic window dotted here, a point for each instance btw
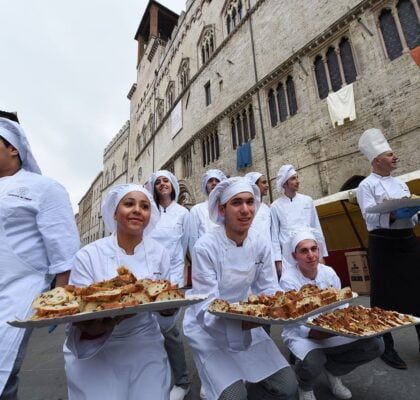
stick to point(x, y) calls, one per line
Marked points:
point(233, 132)
point(347, 60)
point(233, 14)
point(242, 127)
point(272, 107)
point(245, 126)
point(321, 77)
point(113, 171)
point(138, 143)
point(187, 163)
point(390, 34)
point(203, 148)
point(239, 129)
point(291, 95)
point(210, 147)
point(170, 95)
point(207, 45)
point(409, 23)
point(184, 74)
point(334, 69)
point(282, 101)
point(207, 92)
point(125, 161)
point(251, 121)
point(160, 110)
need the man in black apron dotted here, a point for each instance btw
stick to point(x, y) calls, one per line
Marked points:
point(393, 251)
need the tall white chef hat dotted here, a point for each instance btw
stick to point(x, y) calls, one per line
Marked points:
point(113, 198)
point(284, 174)
point(211, 173)
point(225, 190)
point(150, 185)
point(372, 143)
point(253, 176)
point(299, 234)
point(14, 134)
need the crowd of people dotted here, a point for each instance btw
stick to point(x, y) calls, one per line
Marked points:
point(238, 245)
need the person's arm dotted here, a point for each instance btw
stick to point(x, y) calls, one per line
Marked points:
point(365, 200)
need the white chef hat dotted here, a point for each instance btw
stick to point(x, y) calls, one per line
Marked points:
point(298, 234)
point(253, 176)
point(284, 174)
point(113, 198)
point(372, 143)
point(14, 134)
point(150, 184)
point(225, 190)
point(211, 173)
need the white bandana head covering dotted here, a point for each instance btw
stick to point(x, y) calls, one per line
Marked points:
point(14, 134)
point(284, 174)
point(211, 173)
point(150, 185)
point(372, 143)
point(113, 198)
point(225, 190)
point(297, 235)
point(253, 176)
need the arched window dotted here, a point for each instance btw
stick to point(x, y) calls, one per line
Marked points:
point(125, 160)
point(228, 24)
point(203, 148)
point(170, 95)
point(113, 171)
point(321, 77)
point(281, 101)
point(233, 132)
point(233, 14)
point(212, 148)
point(390, 34)
point(208, 155)
point(347, 60)
point(251, 121)
point(272, 107)
point(207, 45)
point(184, 74)
point(291, 95)
point(138, 143)
point(239, 129)
point(334, 69)
point(216, 137)
point(160, 110)
point(245, 126)
point(409, 23)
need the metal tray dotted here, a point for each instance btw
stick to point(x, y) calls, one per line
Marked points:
point(356, 336)
point(391, 205)
point(280, 321)
point(85, 316)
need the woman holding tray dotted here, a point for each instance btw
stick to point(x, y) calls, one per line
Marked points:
point(230, 262)
point(120, 358)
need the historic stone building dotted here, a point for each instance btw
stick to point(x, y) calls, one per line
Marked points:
point(243, 85)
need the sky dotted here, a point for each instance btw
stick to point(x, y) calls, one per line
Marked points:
point(66, 67)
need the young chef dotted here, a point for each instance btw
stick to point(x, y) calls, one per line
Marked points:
point(318, 351)
point(393, 250)
point(172, 232)
point(120, 358)
point(230, 262)
point(199, 215)
point(290, 211)
point(38, 240)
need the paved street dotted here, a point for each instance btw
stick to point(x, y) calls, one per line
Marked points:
point(42, 376)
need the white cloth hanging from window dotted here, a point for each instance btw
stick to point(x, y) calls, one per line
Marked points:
point(341, 105)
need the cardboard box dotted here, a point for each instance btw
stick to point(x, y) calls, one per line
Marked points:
point(358, 271)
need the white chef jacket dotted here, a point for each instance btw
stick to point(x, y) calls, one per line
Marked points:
point(131, 362)
point(172, 232)
point(200, 222)
point(373, 190)
point(295, 336)
point(289, 214)
point(262, 222)
point(38, 221)
point(222, 351)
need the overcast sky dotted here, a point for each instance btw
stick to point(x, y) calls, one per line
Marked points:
point(66, 68)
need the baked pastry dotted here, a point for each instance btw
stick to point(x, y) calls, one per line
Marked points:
point(156, 287)
point(171, 294)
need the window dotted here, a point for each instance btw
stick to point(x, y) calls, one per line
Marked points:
point(400, 28)
point(207, 44)
point(335, 67)
point(187, 163)
point(139, 174)
point(125, 161)
point(138, 144)
point(160, 110)
point(207, 90)
point(113, 171)
point(233, 15)
point(184, 74)
point(242, 127)
point(210, 148)
point(282, 101)
point(170, 95)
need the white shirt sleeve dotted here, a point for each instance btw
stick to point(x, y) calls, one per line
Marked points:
point(57, 226)
point(275, 234)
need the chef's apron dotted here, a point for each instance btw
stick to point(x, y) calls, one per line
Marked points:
point(19, 285)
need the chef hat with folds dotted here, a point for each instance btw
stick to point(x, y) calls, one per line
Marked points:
point(211, 173)
point(14, 134)
point(253, 176)
point(284, 174)
point(113, 198)
point(299, 234)
point(225, 190)
point(150, 185)
point(372, 143)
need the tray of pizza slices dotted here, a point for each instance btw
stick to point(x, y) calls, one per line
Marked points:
point(361, 322)
point(124, 294)
point(393, 204)
point(283, 308)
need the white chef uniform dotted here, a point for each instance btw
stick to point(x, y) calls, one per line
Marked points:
point(222, 351)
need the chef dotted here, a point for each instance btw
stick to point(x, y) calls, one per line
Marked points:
point(199, 214)
point(393, 250)
point(120, 358)
point(234, 360)
point(289, 212)
point(262, 220)
point(172, 232)
point(316, 351)
point(38, 240)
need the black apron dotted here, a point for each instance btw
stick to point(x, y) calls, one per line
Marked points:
point(394, 261)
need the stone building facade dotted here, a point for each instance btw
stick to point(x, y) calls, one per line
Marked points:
point(230, 74)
